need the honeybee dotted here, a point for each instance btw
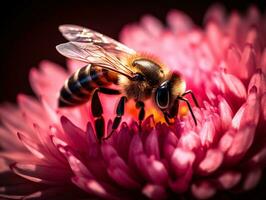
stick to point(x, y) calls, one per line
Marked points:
point(138, 76)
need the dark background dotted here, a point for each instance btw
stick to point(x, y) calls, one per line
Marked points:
point(29, 31)
point(29, 34)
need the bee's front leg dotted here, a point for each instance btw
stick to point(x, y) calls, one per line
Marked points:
point(173, 111)
point(140, 105)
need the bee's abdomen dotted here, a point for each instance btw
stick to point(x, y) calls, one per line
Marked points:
point(78, 88)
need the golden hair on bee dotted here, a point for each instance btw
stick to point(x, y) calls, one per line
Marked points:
point(129, 59)
point(138, 76)
point(150, 68)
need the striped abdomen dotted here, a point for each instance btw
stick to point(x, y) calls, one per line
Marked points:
point(79, 87)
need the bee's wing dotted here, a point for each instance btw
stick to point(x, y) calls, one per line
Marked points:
point(91, 53)
point(80, 34)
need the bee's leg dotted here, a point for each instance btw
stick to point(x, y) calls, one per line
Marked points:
point(119, 114)
point(140, 105)
point(189, 107)
point(193, 96)
point(170, 115)
point(97, 111)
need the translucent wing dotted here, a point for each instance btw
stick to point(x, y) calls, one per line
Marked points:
point(84, 35)
point(91, 53)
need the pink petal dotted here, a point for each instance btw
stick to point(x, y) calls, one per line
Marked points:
point(190, 141)
point(178, 21)
point(182, 160)
point(77, 166)
point(215, 13)
point(152, 169)
point(203, 190)
point(234, 85)
point(215, 37)
point(248, 62)
point(263, 105)
point(118, 169)
point(41, 173)
point(93, 187)
point(151, 145)
point(233, 60)
point(229, 179)
point(259, 81)
point(252, 179)
point(123, 178)
point(169, 145)
point(75, 136)
point(154, 191)
point(181, 183)
point(32, 146)
point(91, 137)
point(207, 133)
point(226, 113)
point(152, 25)
point(226, 141)
point(211, 162)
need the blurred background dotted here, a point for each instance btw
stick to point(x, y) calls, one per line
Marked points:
point(29, 31)
point(29, 35)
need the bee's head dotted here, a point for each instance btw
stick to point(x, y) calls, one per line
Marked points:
point(168, 90)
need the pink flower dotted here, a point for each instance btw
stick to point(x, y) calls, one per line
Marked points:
point(53, 152)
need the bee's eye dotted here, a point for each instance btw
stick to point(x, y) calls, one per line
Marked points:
point(162, 96)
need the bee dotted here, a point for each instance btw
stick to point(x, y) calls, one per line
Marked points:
point(138, 77)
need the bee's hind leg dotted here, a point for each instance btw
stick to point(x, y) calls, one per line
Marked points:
point(119, 114)
point(140, 105)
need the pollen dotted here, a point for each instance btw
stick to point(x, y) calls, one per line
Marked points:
point(183, 110)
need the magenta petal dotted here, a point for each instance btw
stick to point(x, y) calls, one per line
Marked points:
point(76, 137)
point(152, 146)
point(252, 178)
point(123, 178)
point(263, 105)
point(93, 187)
point(229, 179)
point(169, 145)
point(136, 148)
point(77, 166)
point(203, 190)
point(154, 192)
point(41, 173)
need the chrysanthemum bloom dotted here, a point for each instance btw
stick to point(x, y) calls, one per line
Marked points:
point(51, 153)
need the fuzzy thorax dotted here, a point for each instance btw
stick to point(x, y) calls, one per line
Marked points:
point(138, 90)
